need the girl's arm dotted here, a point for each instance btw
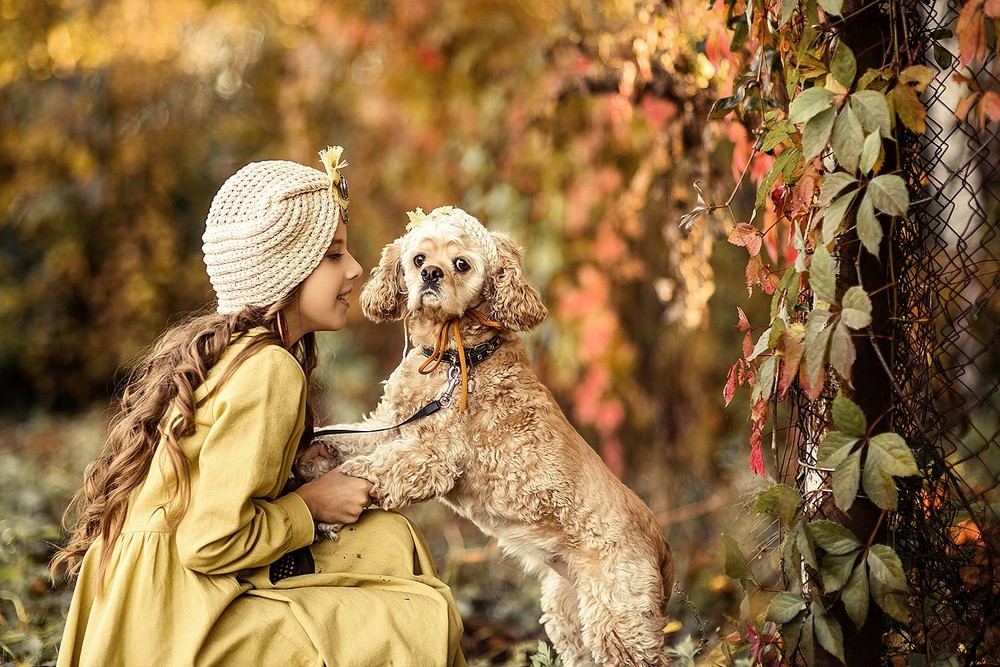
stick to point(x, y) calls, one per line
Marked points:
point(234, 520)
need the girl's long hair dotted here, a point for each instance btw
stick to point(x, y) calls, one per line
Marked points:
point(167, 376)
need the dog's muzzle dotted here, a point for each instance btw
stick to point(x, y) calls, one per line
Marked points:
point(431, 275)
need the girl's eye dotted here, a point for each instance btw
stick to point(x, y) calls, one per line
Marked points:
point(419, 260)
point(334, 256)
point(461, 265)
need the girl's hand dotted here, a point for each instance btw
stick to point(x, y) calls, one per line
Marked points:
point(335, 497)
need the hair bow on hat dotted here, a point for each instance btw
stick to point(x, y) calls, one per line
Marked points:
point(331, 156)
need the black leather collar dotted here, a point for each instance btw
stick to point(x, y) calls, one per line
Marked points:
point(473, 356)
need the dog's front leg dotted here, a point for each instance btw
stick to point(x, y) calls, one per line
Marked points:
point(405, 472)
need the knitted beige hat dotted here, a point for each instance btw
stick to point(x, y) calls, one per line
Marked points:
point(268, 227)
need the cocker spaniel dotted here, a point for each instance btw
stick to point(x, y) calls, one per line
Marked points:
point(499, 450)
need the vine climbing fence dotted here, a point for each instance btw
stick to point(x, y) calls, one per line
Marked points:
point(942, 359)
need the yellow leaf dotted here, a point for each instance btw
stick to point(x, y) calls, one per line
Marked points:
point(917, 77)
point(909, 108)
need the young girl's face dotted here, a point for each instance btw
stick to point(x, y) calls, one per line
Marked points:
point(322, 301)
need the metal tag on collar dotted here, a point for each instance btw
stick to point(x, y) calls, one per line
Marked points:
point(454, 377)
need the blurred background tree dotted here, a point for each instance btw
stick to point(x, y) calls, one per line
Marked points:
point(576, 126)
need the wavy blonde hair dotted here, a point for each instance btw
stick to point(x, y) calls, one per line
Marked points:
point(167, 376)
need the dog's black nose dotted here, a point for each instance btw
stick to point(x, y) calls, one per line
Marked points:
point(431, 274)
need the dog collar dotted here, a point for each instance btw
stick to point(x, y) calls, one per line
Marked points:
point(473, 356)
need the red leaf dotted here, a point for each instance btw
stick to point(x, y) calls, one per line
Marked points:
point(745, 234)
point(747, 345)
point(812, 386)
point(730, 389)
point(744, 323)
point(757, 454)
point(971, 33)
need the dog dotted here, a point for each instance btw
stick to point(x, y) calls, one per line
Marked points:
point(499, 450)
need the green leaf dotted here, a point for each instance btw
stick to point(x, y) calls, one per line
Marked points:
point(845, 480)
point(833, 538)
point(724, 106)
point(842, 352)
point(736, 566)
point(888, 581)
point(869, 229)
point(792, 631)
point(872, 108)
point(828, 632)
point(809, 103)
point(855, 595)
point(833, 183)
point(784, 607)
point(763, 385)
point(833, 216)
point(817, 340)
point(896, 457)
point(792, 168)
point(848, 417)
point(816, 133)
point(787, 7)
point(843, 65)
point(807, 642)
point(889, 194)
point(835, 7)
point(776, 135)
point(767, 183)
point(878, 483)
point(823, 275)
point(762, 344)
point(836, 569)
point(870, 151)
point(791, 559)
point(804, 541)
point(847, 139)
point(781, 501)
point(835, 448)
point(856, 308)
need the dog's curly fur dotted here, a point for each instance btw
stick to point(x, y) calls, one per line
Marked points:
point(511, 462)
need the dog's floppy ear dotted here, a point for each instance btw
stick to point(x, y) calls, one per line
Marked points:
point(516, 304)
point(383, 296)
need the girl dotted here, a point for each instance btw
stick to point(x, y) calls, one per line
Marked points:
point(185, 548)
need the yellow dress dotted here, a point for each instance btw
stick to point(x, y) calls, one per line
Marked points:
point(202, 594)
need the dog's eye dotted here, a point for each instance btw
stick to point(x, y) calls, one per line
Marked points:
point(461, 265)
point(419, 260)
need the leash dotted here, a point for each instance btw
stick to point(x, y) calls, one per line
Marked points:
point(459, 362)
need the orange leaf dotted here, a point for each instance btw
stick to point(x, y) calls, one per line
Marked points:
point(745, 234)
point(794, 347)
point(962, 109)
point(991, 104)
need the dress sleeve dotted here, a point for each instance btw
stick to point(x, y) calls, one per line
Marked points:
point(234, 520)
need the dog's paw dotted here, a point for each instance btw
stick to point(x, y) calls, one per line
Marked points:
point(328, 531)
point(359, 466)
point(315, 460)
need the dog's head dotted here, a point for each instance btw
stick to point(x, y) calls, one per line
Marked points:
point(446, 264)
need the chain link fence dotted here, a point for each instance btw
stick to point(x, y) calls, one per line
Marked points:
point(944, 292)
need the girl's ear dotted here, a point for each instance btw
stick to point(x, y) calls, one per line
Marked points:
point(516, 304)
point(383, 295)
